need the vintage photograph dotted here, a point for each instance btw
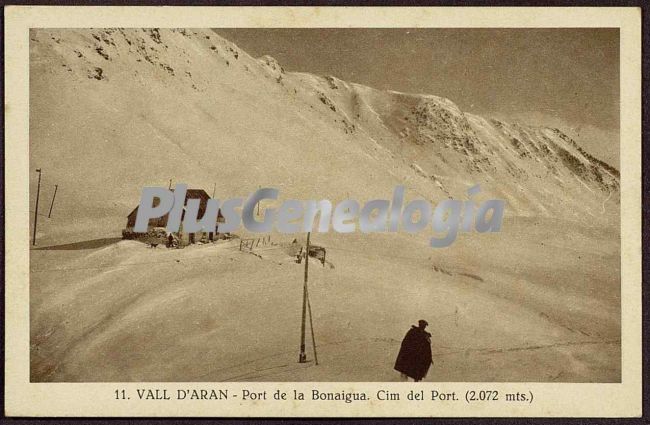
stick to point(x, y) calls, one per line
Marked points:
point(417, 117)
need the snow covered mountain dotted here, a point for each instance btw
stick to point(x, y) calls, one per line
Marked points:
point(150, 105)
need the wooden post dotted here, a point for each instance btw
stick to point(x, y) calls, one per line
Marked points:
point(311, 325)
point(56, 187)
point(302, 358)
point(38, 192)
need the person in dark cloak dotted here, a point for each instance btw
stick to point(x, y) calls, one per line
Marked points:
point(414, 356)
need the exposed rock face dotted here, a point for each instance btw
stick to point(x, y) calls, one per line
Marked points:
point(272, 65)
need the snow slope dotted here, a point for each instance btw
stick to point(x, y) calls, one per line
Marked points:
point(125, 312)
point(114, 110)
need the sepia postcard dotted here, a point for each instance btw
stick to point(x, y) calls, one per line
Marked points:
point(323, 211)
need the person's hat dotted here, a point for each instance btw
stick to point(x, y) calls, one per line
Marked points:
point(423, 322)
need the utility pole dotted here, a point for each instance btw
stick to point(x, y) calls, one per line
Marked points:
point(302, 358)
point(56, 187)
point(170, 184)
point(38, 192)
point(214, 189)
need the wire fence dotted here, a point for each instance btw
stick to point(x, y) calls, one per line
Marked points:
point(254, 242)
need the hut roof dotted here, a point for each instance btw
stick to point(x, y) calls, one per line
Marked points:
point(190, 194)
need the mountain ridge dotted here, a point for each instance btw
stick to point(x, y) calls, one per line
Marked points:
point(154, 104)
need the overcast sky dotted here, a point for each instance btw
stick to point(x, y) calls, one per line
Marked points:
point(567, 78)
